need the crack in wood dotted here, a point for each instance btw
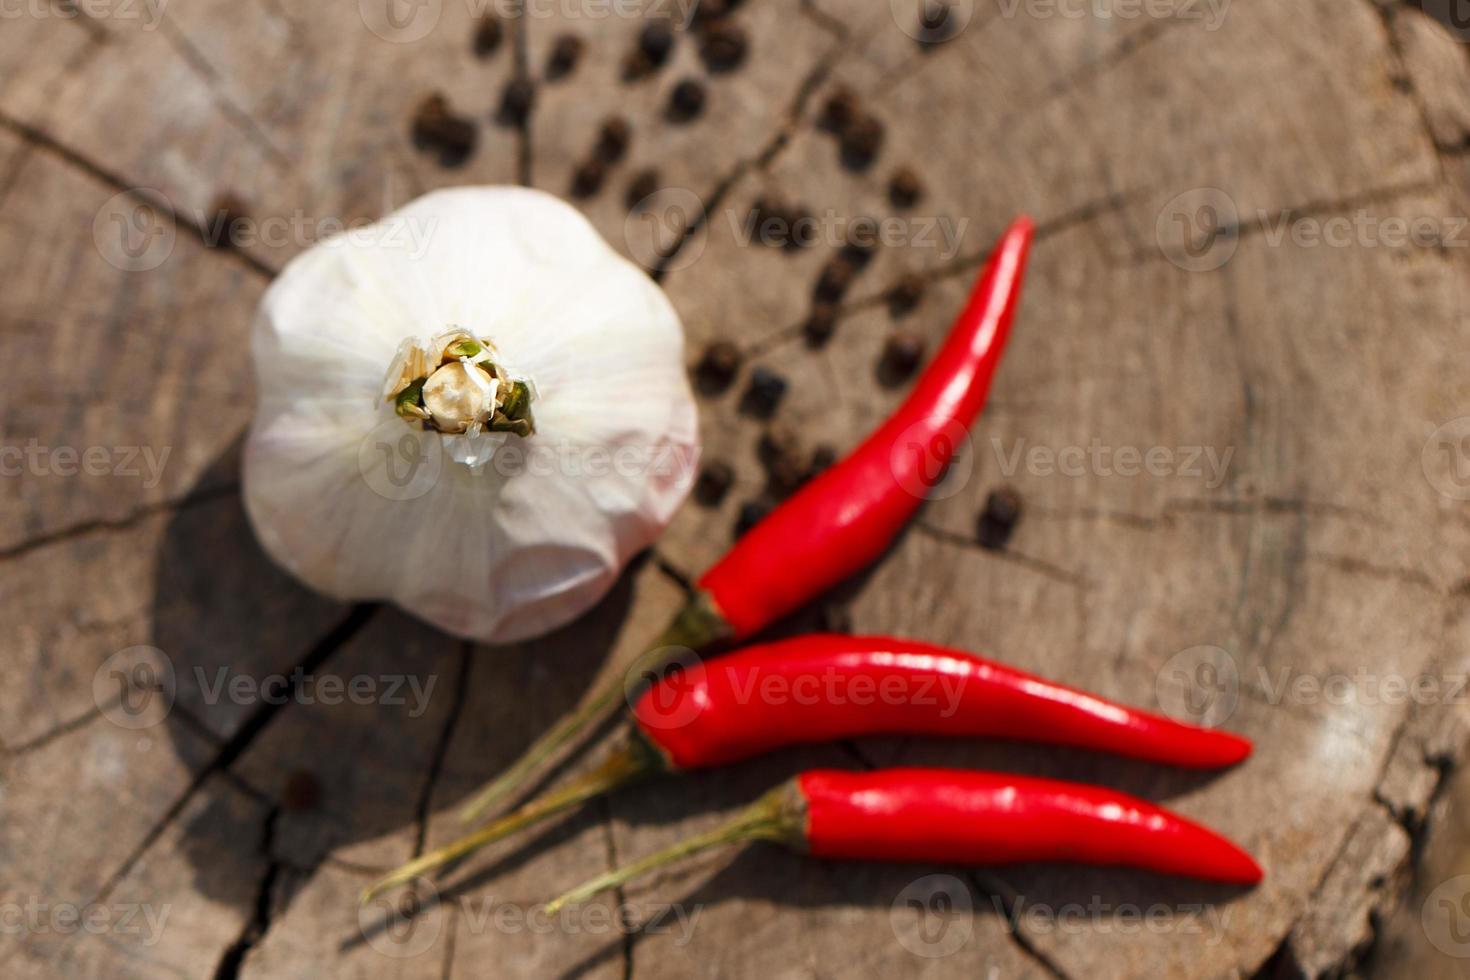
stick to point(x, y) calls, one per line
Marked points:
point(236, 114)
point(320, 653)
point(610, 844)
point(1005, 897)
point(259, 921)
point(671, 571)
point(451, 940)
point(1387, 17)
point(769, 152)
point(84, 528)
point(1129, 46)
point(1167, 514)
point(82, 163)
point(76, 724)
point(1242, 230)
point(963, 265)
point(441, 747)
point(1039, 565)
point(1359, 566)
point(1390, 888)
point(835, 26)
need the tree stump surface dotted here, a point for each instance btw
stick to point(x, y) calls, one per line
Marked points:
point(1300, 541)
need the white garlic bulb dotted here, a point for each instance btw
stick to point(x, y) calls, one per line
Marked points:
point(473, 408)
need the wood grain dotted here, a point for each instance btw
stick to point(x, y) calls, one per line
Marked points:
point(1300, 541)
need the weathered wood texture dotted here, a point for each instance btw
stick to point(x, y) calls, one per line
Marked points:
point(1320, 537)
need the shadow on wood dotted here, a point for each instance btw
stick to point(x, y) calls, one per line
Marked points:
point(253, 652)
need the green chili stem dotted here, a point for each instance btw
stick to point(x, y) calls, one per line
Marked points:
point(696, 625)
point(777, 816)
point(621, 767)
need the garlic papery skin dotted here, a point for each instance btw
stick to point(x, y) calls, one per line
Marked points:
point(474, 409)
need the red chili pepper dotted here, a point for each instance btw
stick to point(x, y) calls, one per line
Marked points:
point(823, 688)
point(843, 519)
point(829, 687)
point(942, 816)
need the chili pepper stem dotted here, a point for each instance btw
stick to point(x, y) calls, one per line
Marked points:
point(622, 766)
point(779, 815)
point(696, 625)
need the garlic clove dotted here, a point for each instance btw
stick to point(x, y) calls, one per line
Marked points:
point(459, 394)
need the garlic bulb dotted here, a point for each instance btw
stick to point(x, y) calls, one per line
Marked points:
point(474, 408)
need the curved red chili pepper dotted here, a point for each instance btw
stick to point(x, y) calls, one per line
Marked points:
point(841, 521)
point(946, 816)
point(949, 817)
point(824, 688)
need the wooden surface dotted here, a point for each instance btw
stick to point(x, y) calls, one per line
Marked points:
point(1332, 544)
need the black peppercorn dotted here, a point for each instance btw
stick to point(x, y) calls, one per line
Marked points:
point(837, 275)
point(718, 367)
point(645, 184)
point(612, 140)
point(723, 47)
point(752, 512)
point(780, 454)
point(999, 519)
point(686, 101)
point(904, 296)
point(839, 111)
point(778, 225)
point(437, 129)
point(764, 393)
point(655, 42)
point(488, 37)
point(904, 188)
point(714, 482)
point(820, 324)
point(901, 355)
point(516, 102)
point(861, 141)
point(587, 179)
point(566, 51)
